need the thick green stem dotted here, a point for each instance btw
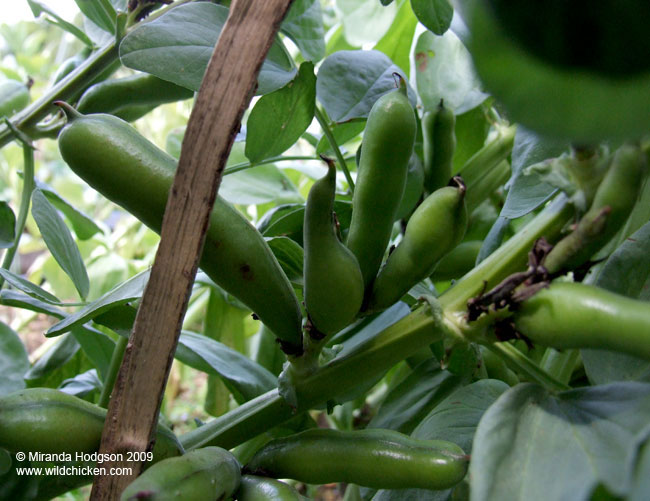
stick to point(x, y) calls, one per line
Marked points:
point(486, 185)
point(23, 211)
point(64, 90)
point(244, 422)
point(363, 365)
point(510, 257)
point(334, 382)
point(337, 151)
point(521, 363)
point(484, 160)
point(113, 369)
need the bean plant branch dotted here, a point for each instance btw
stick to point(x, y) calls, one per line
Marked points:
point(113, 368)
point(337, 151)
point(25, 199)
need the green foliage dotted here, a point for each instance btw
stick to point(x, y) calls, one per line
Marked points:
point(542, 100)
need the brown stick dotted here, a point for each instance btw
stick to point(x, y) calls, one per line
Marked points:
point(224, 95)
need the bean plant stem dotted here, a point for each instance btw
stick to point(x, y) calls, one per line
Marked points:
point(366, 363)
point(113, 368)
point(247, 165)
point(337, 151)
point(64, 90)
point(23, 211)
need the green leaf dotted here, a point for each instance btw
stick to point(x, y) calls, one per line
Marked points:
point(7, 226)
point(20, 300)
point(263, 184)
point(434, 14)
point(290, 256)
point(122, 294)
point(59, 241)
point(95, 11)
point(365, 21)
point(641, 482)
point(413, 398)
point(54, 358)
point(627, 272)
point(443, 70)
point(244, 378)
point(304, 25)
point(29, 288)
point(82, 384)
point(14, 362)
point(528, 191)
point(397, 41)
point(471, 131)
point(177, 47)
point(279, 119)
point(97, 346)
point(350, 81)
point(39, 8)
point(561, 446)
point(83, 226)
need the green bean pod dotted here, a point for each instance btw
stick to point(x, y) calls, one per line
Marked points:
point(52, 422)
point(207, 474)
point(113, 158)
point(333, 281)
point(436, 227)
point(14, 96)
point(612, 204)
point(575, 315)
point(439, 136)
point(377, 458)
point(387, 146)
point(254, 488)
point(131, 97)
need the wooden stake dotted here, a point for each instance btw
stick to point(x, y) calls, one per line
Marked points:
point(225, 93)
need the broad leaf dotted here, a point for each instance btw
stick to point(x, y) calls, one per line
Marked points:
point(278, 119)
point(122, 294)
point(14, 362)
point(59, 241)
point(97, 346)
point(342, 133)
point(177, 47)
point(82, 384)
point(244, 378)
point(262, 184)
point(627, 272)
point(350, 81)
point(7, 226)
point(19, 300)
point(304, 25)
point(83, 225)
point(365, 21)
point(434, 14)
point(444, 71)
point(29, 288)
point(397, 41)
point(527, 192)
point(60, 353)
point(39, 8)
point(412, 399)
point(561, 446)
point(97, 14)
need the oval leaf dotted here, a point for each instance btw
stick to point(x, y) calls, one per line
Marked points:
point(59, 241)
point(177, 47)
point(279, 119)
